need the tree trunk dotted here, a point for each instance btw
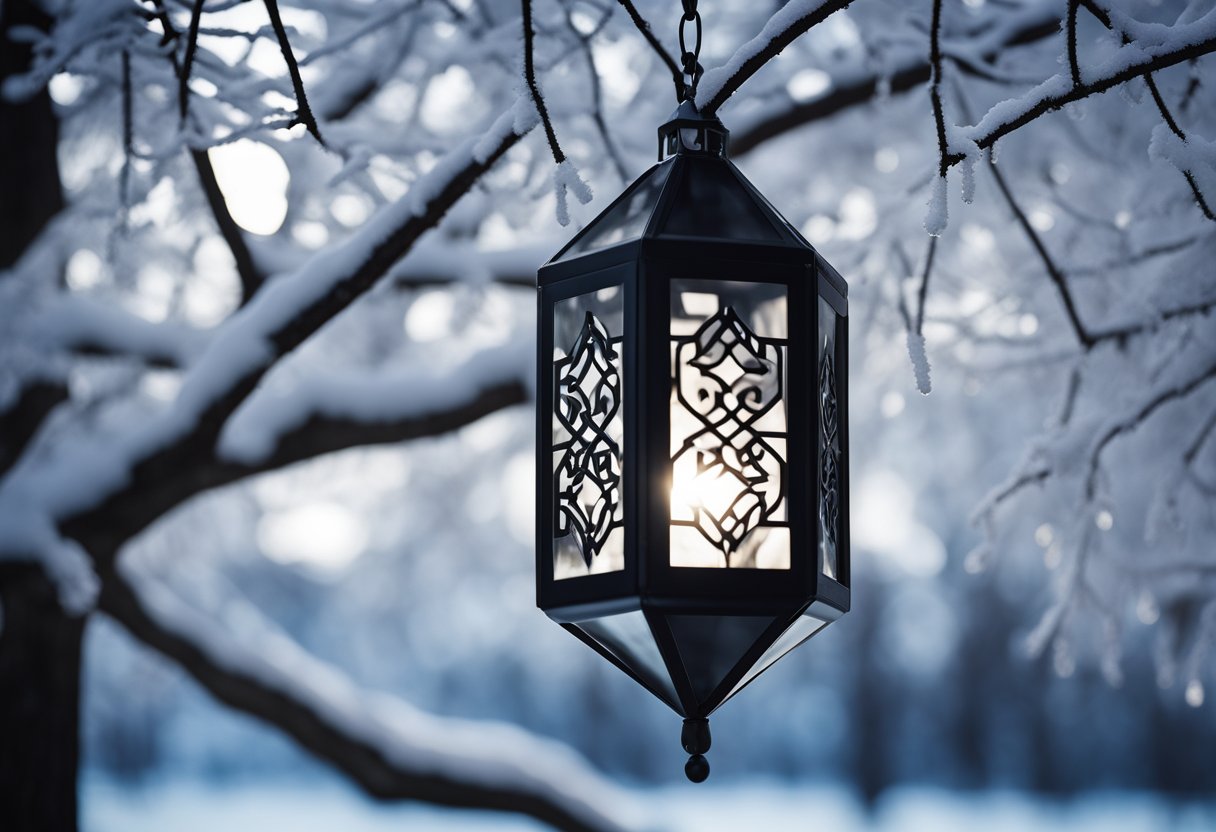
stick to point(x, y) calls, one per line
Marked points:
point(29, 139)
point(39, 643)
point(39, 704)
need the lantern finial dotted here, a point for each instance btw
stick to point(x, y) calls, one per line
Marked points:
point(689, 132)
point(696, 741)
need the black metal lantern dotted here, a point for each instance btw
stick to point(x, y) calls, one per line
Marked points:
point(692, 511)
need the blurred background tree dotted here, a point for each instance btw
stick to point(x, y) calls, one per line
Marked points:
point(265, 344)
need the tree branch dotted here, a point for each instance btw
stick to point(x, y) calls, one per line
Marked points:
point(1071, 31)
point(248, 273)
point(644, 28)
point(304, 114)
point(923, 293)
point(782, 29)
point(845, 94)
point(183, 75)
point(534, 87)
point(1054, 271)
point(21, 420)
point(386, 748)
point(1126, 425)
point(1051, 95)
point(597, 97)
point(250, 276)
point(160, 464)
point(1104, 18)
point(935, 85)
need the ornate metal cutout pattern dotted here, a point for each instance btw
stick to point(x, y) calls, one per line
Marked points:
point(829, 448)
point(587, 477)
point(728, 378)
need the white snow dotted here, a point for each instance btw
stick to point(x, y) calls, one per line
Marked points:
point(937, 216)
point(789, 14)
point(738, 806)
point(83, 469)
point(566, 179)
point(920, 362)
point(493, 753)
point(368, 397)
point(1158, 40)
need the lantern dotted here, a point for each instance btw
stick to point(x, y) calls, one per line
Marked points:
point(692, 511)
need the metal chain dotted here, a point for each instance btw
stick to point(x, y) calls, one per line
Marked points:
point(690, 59)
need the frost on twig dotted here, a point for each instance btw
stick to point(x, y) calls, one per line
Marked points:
point(920, 362)
point(938, 214)
point(566, 179)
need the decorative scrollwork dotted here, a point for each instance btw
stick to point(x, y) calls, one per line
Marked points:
point(728, 379)
point(829, 450)
point(587, 477)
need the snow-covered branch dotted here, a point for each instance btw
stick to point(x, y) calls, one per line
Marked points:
point(130, 476)
point(794, 19)
point(1185, 42)
point(371, 407)
point(390, 749)
point(77, 323)
point(855, 87)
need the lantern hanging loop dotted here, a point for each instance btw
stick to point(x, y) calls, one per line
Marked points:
point(690, 59)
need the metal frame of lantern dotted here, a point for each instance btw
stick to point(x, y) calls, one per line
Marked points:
point(608, 362)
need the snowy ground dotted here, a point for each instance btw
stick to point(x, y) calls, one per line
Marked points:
point(191, 806)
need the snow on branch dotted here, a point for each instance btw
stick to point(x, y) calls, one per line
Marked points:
point(643, 27)
point(304, 114)
point(1178, 44)
point(566, 177)
point(373, 398)
point(856, 87)
point(793, 20)
point(122, 481)
point(78, 323)
point(390, 749)
point(1118, 427)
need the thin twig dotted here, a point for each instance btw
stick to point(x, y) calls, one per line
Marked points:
point(183, 77)
point(1053, 270)
point(1054, 101)
point(1150, 407)
point(1122, 333)
point(750, 65)
point(248, 273)
point(1071, 32)
point(597, 97)
point(534, 88)
point(643, 27)
point(1177, 131)
point(128, 134)
point(1192, 451)
point(935, 84)
point(924, 285)
point(844, 94)
point(304, 114)
point(1104, 18)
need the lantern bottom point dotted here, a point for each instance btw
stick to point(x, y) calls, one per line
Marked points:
point(697, 768)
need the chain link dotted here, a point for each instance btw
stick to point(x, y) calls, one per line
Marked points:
point(690, 58)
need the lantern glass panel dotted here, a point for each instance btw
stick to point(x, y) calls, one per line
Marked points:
point(829, 442)
point(728, 349)
point(627, 219)
point(798, 632)
point(588, 434)
point(627, 636)
point(711, 203)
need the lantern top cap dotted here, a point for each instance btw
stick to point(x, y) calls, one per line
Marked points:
point(689, 132)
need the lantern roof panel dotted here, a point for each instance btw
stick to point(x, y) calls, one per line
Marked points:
point(625, 220)
point(711, 199)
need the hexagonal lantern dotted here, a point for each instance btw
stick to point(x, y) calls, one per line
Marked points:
point(692, 506)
